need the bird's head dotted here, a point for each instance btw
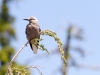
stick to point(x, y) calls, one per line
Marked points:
point(32, 19)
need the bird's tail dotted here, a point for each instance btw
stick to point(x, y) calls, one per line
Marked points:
point(34, 48)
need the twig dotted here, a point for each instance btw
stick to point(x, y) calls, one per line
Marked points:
point(33, 66)
point(10, 64)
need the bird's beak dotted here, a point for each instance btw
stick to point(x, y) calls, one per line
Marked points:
point(26, 19)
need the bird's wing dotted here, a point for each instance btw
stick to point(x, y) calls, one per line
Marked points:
point(26, 29)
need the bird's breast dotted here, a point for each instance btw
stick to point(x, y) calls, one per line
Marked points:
point(32, 31)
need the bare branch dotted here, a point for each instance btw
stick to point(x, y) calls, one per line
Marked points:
point(10, 64)
point(33, 66)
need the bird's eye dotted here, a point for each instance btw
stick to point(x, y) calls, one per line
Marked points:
point(31, 19)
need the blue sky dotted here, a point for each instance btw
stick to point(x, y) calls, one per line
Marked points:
point(56, 15)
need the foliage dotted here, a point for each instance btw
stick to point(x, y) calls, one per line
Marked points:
point(53, 34)
point(7, 33)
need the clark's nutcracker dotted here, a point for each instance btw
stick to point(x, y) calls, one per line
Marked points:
point(33, 31)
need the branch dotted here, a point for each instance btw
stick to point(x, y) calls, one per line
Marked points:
point(33, 66)
point(10, 64)
point(35, 41)
point(53, 34)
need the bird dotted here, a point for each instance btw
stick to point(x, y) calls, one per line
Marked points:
point(32, 32)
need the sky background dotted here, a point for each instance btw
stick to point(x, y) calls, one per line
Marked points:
point(56, 15)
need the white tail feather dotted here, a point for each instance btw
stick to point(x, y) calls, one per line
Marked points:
point(34, 49)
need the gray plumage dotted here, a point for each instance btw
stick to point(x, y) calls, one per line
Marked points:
point(33, 31)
